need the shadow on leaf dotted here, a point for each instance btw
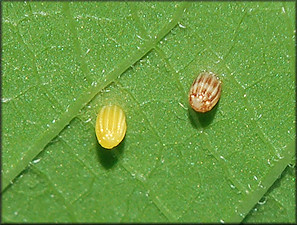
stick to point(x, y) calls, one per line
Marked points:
point(199, 120)
point(109, 157)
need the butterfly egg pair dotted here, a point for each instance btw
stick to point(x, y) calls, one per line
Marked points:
point(205, 92)
point(110, 126)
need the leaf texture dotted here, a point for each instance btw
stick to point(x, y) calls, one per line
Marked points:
point(63, 61)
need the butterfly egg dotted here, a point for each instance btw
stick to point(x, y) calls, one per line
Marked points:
point(205, 92)
point(110, 126)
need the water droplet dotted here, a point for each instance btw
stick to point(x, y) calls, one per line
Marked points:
point(31, 122)
point(291, 165)
point(182, 106)
point(283, 10)
point(255, 178)
point(181, 26)
point(94, 83)
point(232, 186)
point(275, 160)
point(279, 156)
point(139, 37)
point(54, 121)
point(260, 185)
point(88, 120)
point(222, 221)
point(262, 201)
point(4, 100)
point(36, 160)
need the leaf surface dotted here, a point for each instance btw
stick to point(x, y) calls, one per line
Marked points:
point(63, 61)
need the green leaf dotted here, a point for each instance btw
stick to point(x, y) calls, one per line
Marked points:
point(276, 205)
point(63, 61)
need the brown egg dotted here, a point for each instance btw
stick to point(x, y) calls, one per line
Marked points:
point(205, 92)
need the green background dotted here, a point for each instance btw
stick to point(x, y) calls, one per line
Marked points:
point(61, 62)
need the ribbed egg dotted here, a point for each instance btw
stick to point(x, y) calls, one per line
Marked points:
point(205, 92)
point(110, 126)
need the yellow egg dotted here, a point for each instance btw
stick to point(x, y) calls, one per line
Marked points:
point(110, 126)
